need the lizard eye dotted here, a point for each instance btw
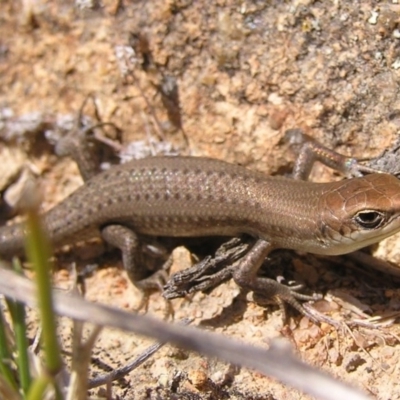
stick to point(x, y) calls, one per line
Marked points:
point(369, 219)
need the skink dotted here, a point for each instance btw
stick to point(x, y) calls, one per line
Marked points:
point(189, 196)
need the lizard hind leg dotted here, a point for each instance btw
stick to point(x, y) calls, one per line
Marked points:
point(127, 241)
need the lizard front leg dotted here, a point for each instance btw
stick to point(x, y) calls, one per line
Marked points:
point(245, 275)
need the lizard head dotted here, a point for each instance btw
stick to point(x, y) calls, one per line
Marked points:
point(357, 212)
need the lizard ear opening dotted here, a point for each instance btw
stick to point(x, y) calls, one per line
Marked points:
point(369, 219)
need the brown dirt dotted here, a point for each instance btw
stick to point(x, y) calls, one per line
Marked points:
point(246, 72)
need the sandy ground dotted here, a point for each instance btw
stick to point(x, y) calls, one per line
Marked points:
point(246, 71)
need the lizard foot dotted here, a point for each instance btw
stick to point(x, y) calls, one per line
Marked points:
point(265, 288)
